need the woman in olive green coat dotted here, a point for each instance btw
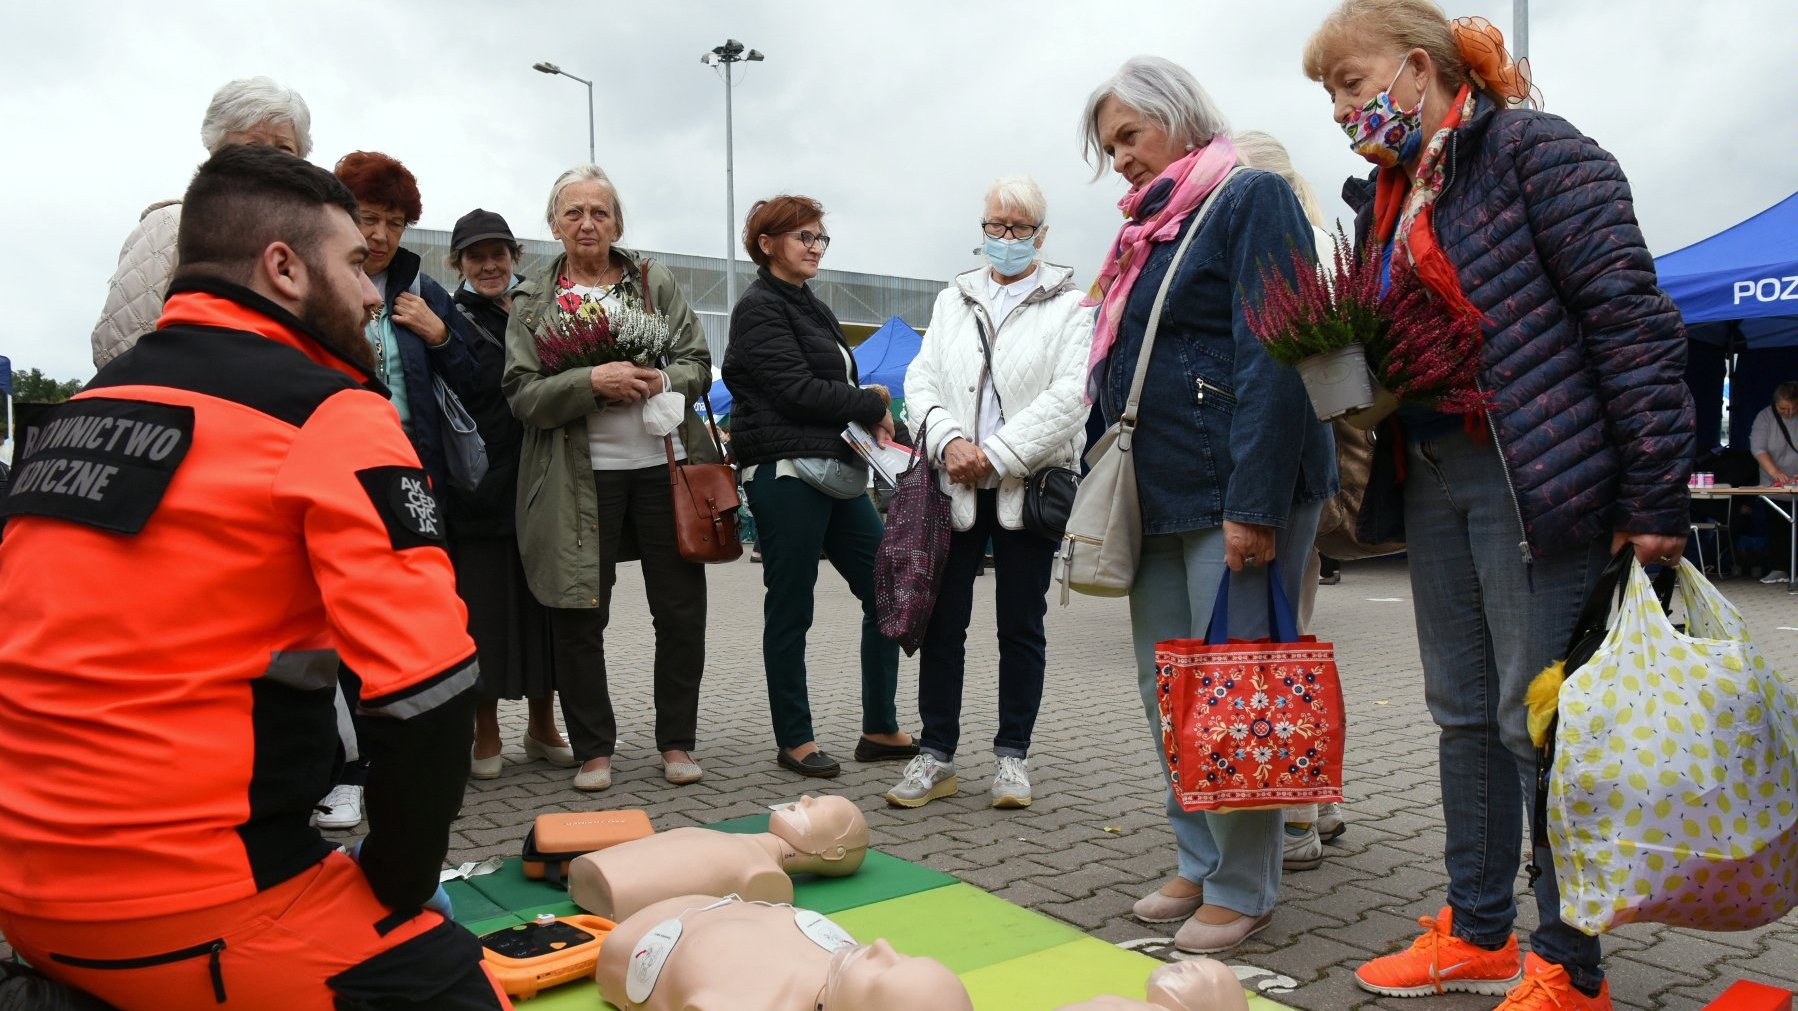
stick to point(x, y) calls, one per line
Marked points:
point(593, 484)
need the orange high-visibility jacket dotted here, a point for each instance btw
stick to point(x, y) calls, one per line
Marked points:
point(192, 545)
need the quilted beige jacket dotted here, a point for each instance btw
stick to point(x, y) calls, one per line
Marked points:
point(134, 295)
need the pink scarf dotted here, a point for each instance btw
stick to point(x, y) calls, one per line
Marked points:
point(1176, 193)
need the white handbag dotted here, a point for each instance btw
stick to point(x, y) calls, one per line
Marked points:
point(1103, 542)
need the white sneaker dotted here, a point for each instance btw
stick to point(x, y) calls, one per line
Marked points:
point(1011, 783)
point(1776, 576)
point(1304, 850)
point(925, 780)
point(341, 808)
point(1329, 822)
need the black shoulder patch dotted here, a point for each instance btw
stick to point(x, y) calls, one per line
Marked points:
point(102, 462)
point(403, 498)
point(244, 368)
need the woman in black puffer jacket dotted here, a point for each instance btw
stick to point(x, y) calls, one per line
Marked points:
point(793, 382)
point(1514, 218)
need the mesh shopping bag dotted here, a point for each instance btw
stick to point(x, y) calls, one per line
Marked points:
point(1672, 792)
point(908, 567)
point(1251, 724)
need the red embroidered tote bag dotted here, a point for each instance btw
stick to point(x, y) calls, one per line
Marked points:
point(1251, 724)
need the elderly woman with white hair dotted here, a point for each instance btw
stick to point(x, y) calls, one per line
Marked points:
point(996, 394)
point(593, 480)
point(1232, 466)
point(252, 110)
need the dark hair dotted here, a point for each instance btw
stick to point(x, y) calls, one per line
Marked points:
point(1786, 393)
point(376, 178)
point(246, 197)
point(775, 216)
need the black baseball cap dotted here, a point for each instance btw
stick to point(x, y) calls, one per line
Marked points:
point(477, 226)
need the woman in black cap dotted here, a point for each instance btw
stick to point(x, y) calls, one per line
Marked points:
point(510, 628)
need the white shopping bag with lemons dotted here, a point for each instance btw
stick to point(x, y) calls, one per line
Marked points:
point(1673, 793)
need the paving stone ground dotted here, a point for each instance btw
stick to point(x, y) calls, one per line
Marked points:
point(1095, 838)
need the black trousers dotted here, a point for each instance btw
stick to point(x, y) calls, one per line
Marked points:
point(637, 504)
point(1021, 562)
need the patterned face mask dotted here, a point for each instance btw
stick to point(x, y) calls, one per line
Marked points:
point(1383, 133)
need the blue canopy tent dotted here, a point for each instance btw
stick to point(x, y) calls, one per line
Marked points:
point(1738, 293)
point(1747, 271)
point(882, 358)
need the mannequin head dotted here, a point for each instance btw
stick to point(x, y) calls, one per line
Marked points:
point(874, 977)
point(831, 830)
point(1198, 984)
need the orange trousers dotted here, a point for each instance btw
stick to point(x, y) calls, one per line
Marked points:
point(308, 944)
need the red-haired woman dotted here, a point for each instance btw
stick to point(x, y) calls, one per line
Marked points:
point(416, 335)
point(793, 382)
point(1512, 217)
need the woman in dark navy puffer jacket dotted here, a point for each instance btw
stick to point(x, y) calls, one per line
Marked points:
point(1514, 215)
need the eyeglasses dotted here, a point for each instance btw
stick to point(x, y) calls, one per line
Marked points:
point(1001, 230)
point(812, 240)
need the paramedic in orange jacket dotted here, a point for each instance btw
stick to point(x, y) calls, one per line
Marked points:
point(191, 545)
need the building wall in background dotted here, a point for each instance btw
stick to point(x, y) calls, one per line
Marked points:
point(861, 301)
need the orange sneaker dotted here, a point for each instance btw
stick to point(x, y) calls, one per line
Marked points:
point(1546, 987)
point(1440, 962)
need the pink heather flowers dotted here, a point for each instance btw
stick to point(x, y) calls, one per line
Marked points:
point(1417, 350)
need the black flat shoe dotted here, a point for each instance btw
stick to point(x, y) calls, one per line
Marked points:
point(874, 751)
point(816, 765)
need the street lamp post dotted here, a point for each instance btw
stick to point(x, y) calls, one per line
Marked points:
point(726, 56)
point(547, 67)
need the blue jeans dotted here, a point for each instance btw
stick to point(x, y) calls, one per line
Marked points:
point(1487, 623)
point(1021, 563)
point(1236, 856)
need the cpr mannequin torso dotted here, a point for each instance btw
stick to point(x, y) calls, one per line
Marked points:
point(817, 835)
point(737, 955)
point(1199, 984)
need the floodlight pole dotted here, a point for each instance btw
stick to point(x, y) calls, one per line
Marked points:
point(1520, 32)
point(728, 55)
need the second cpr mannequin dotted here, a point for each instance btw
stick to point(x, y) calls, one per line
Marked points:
point(1199, 984)
point(816, 835)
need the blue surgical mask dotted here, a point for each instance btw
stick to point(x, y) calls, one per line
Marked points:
point(1010, 257)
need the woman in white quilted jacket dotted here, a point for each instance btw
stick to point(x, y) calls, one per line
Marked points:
point(996, 394)
point(252, 110)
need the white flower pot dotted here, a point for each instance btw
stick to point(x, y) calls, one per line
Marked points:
point(1338, 382)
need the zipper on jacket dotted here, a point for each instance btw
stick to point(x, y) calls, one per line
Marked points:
point(210, 949)
point(1200, 387)
point(1523, 546)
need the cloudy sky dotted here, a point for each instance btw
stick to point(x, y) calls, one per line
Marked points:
point(895, 115)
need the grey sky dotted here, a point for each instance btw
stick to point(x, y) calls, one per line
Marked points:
point(895, 115)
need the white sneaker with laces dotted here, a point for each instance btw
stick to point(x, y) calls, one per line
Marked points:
point(341, 808)
point(926, 779)
point(1011, 783)
point(1329, 821)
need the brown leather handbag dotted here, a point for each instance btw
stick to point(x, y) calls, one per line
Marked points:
point(704, 494)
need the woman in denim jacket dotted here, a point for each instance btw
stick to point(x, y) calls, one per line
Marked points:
point(1232, 466)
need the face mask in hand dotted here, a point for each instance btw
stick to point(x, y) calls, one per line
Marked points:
point(1010, 257)
point(1383, 133)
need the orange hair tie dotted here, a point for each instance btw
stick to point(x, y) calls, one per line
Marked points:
point(1482, 45)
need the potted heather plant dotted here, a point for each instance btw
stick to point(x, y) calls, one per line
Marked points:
point(1320, 321)
point(1360, 351)
point(590, 335)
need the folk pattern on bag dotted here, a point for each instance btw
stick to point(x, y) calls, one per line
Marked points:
point(1673, 796)
point(1239, 729)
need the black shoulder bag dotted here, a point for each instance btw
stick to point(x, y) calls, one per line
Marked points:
point(1049, 491)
